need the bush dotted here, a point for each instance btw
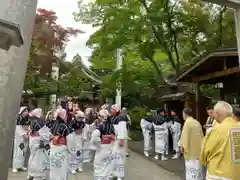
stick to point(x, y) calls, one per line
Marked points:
point(136, 135)
point(136, 114)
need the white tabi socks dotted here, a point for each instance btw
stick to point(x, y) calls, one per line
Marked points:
point(146, 153)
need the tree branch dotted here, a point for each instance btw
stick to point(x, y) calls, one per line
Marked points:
point(161, 42)
point(221, 13)
point(174, 39)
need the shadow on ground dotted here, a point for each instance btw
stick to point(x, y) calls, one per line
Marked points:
point(175, 166)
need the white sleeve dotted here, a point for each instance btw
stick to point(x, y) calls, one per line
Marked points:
point(20, 131)
point(142, 123)
point(96, 136)
point(71, 142)
point(85, 131)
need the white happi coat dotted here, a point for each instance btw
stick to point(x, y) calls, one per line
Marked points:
point(18, 154)
point(88, 149)
point(75, 161)
point(38, 164)
point(147, 134)
point(161, 138)
point(176, 135)
point(118, 151)
point(59, 163)
point(103, 161)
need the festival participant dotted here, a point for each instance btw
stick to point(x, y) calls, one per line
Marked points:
point(102, 116)
point(70, 112)
point(90, 126)
point(124, 112)
point(49, 119)
point(103, 139)
point(168, 120)
point(63, 141)
point(119, 149)
point(161, 135)
point(105, 106)
point(99, 118)
point(221, 146)
point(89, 116)
point(20, 140)
point(190, 144)
point(146, 125)
point(236, 115)
point(176, 133)
point(39, 139)
point(76, 154)
point(211, 122)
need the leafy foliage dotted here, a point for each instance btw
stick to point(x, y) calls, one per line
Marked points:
point(136, 115)
point(158, 38)
point(181, 29)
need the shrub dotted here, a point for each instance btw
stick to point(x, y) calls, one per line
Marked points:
point(136, 114)
point(136, 135)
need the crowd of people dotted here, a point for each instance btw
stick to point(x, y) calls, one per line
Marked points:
point(213, 156)
point(162, 125)
point(62, 142)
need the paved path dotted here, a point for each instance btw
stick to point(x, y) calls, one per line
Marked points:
point(138, 168)
point(175, 166)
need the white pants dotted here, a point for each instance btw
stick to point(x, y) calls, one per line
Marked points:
point(147, 137)
point(193, 170)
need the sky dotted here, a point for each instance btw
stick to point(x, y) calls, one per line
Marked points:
point(64, 10)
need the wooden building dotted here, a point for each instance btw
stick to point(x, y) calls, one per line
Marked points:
point(220, 68)
point(179, 101)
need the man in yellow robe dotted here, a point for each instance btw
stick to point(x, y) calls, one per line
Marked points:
point(190, 144)
point(220, 150)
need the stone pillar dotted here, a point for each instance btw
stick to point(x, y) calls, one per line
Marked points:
point(13, 65)
point(237, 22)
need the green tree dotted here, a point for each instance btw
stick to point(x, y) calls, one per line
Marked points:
point(158, 38)
point(181, 29)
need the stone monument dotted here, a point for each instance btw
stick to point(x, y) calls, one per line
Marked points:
point(13, 63)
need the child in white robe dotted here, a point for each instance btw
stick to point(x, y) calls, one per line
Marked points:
point(103, 139)
point(20, 140)
point(76, 156)
point(146, 125)
point(160, 126)
point(39, 139)
point(63, 141)
point(176, 133)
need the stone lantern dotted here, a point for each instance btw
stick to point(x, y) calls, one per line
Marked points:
point(10, 35)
